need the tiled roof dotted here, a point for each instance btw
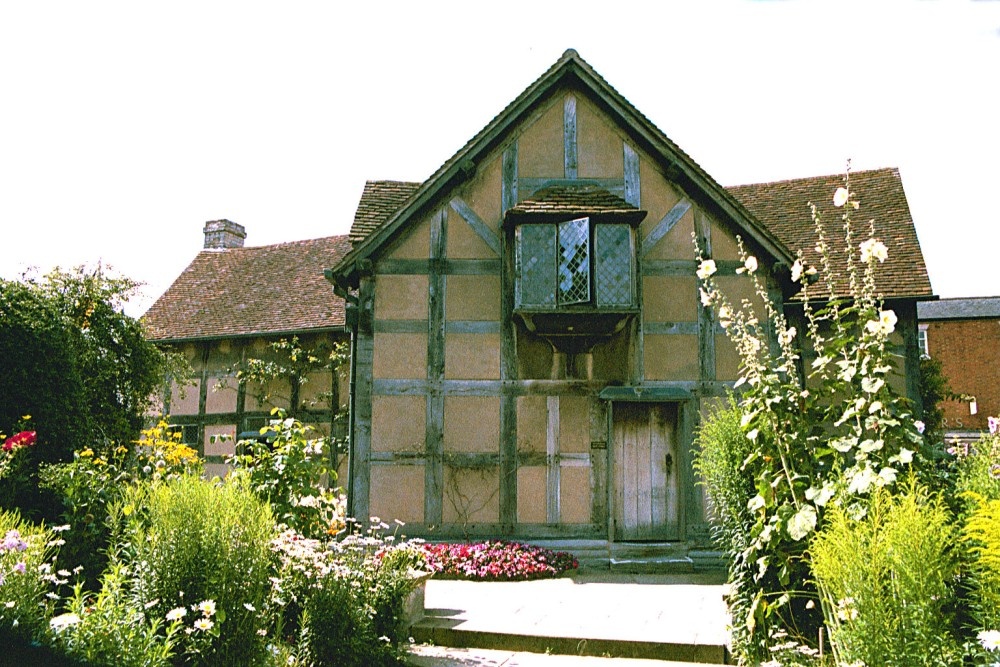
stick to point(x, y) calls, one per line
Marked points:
point(572, 200)
point(379, 200)
point(251, 291)
point(783, 207)
point(970, 308)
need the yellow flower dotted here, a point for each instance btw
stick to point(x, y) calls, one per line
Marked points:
point(86, 453)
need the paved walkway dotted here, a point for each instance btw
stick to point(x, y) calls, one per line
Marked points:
point(677, 617)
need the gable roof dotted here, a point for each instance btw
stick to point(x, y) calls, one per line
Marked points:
point(783, 207)
point(261, 290)
point(970, 308)
point(569, 71)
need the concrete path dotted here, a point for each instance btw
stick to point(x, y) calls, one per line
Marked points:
point(664, 617)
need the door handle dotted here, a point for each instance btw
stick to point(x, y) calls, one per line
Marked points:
point(669, 464)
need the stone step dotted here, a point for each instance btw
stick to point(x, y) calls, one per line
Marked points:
point(441, 632)
point(423, 655)
point(656, 565)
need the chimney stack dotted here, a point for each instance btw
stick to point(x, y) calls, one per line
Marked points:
point(221, 234)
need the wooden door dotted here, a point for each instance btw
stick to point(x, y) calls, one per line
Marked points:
point(646, 471)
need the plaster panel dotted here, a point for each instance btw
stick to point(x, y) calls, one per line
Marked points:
point(221, 395)
point(724, 245)
point(670, 298)
point(471, 495)
point(657, 195)
point(574, 494)
point(314, 393)
point(677, 244)
point(534, 357)
point(531, 495)
point(400, 355)
point(574, 424)
point(399, 423)
point(613, 357)
point(738, 288)
point(463, 241)
point(671, 357)
point(397, 492)
point(532, 423)
point(600, 153)
point(415, 242)
point(471, 424)
point(472, 298)
point(401, 297)
point(471, 356)
point(484, 193)
point(276, 394)
point(727, 359)
point(186, 404)
point(540, 152)
point(221, 447)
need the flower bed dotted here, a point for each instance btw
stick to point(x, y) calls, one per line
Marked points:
point(496, 561)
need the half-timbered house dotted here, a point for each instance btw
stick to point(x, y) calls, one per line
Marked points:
point(530, 355)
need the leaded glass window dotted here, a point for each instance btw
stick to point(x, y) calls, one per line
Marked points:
point(613, 277)
point(574, 261)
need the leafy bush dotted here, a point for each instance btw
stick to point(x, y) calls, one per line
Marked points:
point(191, 542)
point(109, 628)
point(722, 447)
point(27, 555)
point(293, 475)
point(884, 580)
point(496, 561)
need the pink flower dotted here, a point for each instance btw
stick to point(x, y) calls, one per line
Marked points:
point(994, 424)
point(22, 439)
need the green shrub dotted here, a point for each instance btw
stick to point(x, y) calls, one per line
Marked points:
point(192, 542)
point(884, 581)
point(27, 576)
point(722, 447)
point(981, 539)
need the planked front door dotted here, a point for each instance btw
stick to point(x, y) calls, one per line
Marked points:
point(646, 471)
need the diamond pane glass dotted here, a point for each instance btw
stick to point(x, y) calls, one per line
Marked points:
point(574, 261)
point(613, 279)
point(536, 265)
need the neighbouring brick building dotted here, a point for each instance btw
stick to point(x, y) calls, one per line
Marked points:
point(964, 335)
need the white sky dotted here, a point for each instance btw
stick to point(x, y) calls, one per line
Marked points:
point(124, 126)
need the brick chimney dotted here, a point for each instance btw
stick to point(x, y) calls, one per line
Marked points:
point(221, 234)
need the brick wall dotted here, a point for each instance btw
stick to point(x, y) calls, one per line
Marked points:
point(969, 352)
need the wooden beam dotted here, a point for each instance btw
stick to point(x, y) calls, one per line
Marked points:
point(706, 316)
point(529, 186)
point(476, 223)
point(508, 377)
point(599, 439)
point(434, 422)
point(664, 226)
point(632, 182)
point(360, 464)
point(672, 328)
point(509, 185)
point(552, 460)
point(569, 136)
point(687, 267)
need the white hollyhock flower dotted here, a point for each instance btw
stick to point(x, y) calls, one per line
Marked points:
point(873, 249)
point(706, 268)
point(840, 197)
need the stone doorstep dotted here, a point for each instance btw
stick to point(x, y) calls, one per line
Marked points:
point(436, 631)
point(443, 656)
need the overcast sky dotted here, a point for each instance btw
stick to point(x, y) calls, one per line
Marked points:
point(124, 126)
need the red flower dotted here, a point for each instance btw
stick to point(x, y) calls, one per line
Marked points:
point(22, 439)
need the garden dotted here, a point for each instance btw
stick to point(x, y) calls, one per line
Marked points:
point(855, 536)
point(118, 550)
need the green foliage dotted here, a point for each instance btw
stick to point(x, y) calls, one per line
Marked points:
point(884, 580)
point(840, 432)
point(721, 449)
point(79, 365)
point(981, 538)
point(110, 629)
point(192, 541)
point(978, 477)
point(292, 363)
point(27, 553)
point(293, 475)
point(934, 389)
